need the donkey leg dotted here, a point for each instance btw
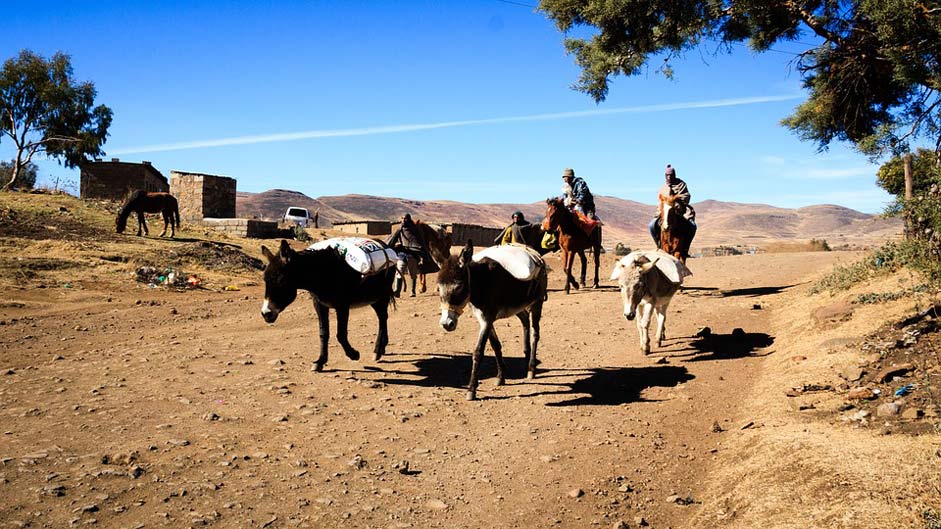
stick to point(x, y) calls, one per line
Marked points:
point(597, 257)
point(422, 283)
point(323, 320)
point(141, 224)
point(536, 315)
point(485, 328)
point(166, 221)
point(343, 318)
point(498, 354)
point(527, 349)
point(382, 340)
point(661, 311)
point(643, 324)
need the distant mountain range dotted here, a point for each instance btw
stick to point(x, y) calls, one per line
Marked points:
point(625, 220)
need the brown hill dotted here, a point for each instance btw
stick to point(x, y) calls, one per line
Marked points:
point(625, 220)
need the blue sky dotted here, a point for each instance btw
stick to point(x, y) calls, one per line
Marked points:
point(466, 101)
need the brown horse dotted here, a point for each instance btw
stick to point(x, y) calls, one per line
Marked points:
point(141, 202)
point(439, 246)
point(572, 240)
point(675, 231)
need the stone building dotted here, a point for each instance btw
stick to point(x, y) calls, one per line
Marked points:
point(203, 195)
point(478, 235)
point(115, 180)
point(364, 227)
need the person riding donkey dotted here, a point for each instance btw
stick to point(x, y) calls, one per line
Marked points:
point(577, 197)
point(677, 188)
point(514, 232)
point(408, 243)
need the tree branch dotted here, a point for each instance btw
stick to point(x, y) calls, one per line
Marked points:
point(808, 18)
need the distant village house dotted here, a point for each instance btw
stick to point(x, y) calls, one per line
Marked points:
point(364, 227)
point(115, 180)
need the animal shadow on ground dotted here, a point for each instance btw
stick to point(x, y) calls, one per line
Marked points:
point(601, 386)
point(738, 344)
point(754, 291)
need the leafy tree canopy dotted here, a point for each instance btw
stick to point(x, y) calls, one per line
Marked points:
point(44, 110)
point(925, 171)
point(874, 79)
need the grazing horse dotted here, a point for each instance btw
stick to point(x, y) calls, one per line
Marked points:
point(676, 233)
point(333, 285)
point(645, 289)
point(572, 240)
point(141, 202)
point(493, 293)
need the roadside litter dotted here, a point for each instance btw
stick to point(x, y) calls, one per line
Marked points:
point(167, 277)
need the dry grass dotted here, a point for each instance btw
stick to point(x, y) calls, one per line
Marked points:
point(810, 469)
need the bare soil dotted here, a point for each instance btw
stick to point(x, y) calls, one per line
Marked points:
point(130, 406)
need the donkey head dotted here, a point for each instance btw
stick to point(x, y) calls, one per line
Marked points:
point(279, 288)
point(120, 222)
point(454, 286)
point(631, 274)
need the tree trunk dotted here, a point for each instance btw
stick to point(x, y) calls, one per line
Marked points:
point(910, 228)
point(16, 172)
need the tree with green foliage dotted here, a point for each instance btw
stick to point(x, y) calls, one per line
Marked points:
point(925, 171)
point(874, 79)
point(27, 177)
point(43, 110)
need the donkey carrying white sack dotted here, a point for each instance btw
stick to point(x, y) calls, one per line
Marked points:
point(648, 282)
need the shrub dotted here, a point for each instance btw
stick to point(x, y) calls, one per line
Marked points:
point(621, 250)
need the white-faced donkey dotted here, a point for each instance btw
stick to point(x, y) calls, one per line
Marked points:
point(648, 281)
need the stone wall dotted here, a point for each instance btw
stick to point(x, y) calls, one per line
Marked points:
point(115, 180)
point(254, 228)
point(366, 227)
point(203, 195)
point(479, 235)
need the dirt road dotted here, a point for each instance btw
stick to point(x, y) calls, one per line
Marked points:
point(138, 407)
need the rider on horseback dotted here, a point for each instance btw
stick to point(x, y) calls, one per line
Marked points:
point(576, 195)
point(676, 187)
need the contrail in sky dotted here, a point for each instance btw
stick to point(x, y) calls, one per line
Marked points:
point(389, 129)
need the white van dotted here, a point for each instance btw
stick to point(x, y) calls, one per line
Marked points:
point(298, 216)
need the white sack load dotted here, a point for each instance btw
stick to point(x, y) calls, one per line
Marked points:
point(672, 268)
point(366, 256)
point(521, 261)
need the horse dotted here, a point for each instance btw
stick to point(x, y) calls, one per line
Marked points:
point(438, 241)
point(572, 240)
point(645, 289)
point(675, 231)
point(141, 202)
point(333, 284)
point(493, 293)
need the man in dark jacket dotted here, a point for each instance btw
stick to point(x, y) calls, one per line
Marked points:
point(675, 187)
point(408, 239)
point(576, 194)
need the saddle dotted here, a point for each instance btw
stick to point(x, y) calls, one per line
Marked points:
point(586, 224)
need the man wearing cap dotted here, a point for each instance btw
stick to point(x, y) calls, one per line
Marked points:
point(513, 232)
point(575, 194)
point(676, 187)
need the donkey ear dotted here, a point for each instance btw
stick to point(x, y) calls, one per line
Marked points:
point(467, 254)
point(618, 271)
point(647, 267)
point(267, 253)
point(285, 251)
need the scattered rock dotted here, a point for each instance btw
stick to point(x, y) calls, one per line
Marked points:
point(833, 314)
point(861, 394)
point(357, 462)
point(888, 409)
point(747, 425)
point(53, 490)
point(576, 493)
point(716, 427)
point(913, 413)
point(437, 505)
point(640, 521)
point(211, 416)
point(852, 373)
point(620, 524)
point(888, 373)
point(178, 442)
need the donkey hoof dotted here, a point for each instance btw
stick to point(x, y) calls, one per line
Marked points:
point(317, 367)
point(531, 375)
point(352, 354)
point(471, 395)
point(377, 356)
point(501, 381)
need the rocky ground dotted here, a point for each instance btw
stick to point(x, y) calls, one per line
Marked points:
point(126, 405)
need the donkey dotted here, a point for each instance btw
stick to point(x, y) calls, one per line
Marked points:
point(333, 285)
point(493, 293)
point(644, 289)
point(141, 202)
